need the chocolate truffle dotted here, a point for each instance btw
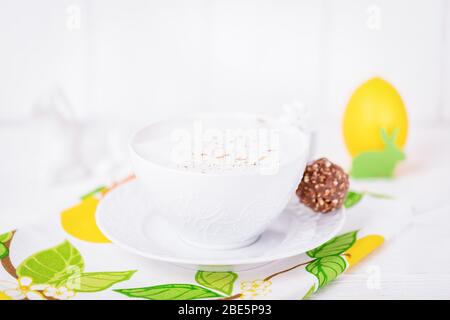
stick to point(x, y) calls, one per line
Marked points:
point(324, 186)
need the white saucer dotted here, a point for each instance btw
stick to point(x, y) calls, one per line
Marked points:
point(123, 218)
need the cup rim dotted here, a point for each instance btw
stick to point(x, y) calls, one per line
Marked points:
point(212, 115)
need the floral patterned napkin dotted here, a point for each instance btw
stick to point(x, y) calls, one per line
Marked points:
point(67, 257)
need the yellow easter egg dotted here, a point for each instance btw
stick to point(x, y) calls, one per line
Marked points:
point(373, 106)
point(79, 221)
point(362, 247)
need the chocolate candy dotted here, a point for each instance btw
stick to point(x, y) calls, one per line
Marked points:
point(324, 186)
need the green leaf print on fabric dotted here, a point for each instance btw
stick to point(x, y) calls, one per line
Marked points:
point(327, 269)
point(52, 266)
point(4, 252)
point(220, 281)
point(97, 281)
point(6, 237)
point(352, 199)
point(93, 192)
point(310, 292)
point(170, 292)
point(335, 246)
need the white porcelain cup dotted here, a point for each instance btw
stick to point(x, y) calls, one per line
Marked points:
point(218, 209)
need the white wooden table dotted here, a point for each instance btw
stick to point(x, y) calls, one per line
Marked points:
point(414, 265)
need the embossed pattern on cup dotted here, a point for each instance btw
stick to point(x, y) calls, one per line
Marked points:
point(219, 211)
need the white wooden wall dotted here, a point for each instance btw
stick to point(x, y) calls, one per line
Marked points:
point(40, 50)
point(139, 58)
point(401, 41)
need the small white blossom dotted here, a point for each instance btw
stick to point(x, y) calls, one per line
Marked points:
point(23, 289)
point(60, 293)
point(254, 289)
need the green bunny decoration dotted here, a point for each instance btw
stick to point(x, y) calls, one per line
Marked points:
point(378, 164)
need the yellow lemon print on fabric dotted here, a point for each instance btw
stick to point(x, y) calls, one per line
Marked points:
point(374, 106)
point(79, 221)
point(3, 296)
point(362, 248)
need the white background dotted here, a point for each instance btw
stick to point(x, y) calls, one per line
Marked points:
point(77, 76)
point(153, 58)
